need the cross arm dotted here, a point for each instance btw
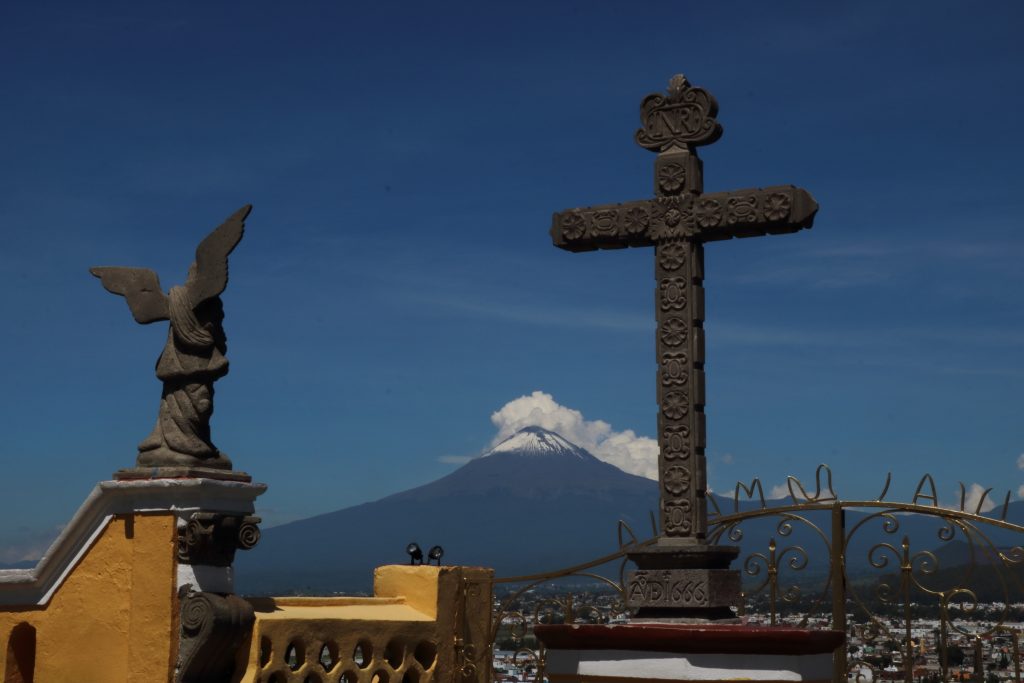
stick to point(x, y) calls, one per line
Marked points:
point(703, 218)
point(751, 213)
point(608, 226)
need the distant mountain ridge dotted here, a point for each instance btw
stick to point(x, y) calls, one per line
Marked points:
point(534, 502)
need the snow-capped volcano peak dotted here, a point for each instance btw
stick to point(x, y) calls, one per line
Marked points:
point(538, 441)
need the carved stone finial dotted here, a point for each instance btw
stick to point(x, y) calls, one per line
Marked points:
point(676, 85)
point(194, 355)
point(685, 117)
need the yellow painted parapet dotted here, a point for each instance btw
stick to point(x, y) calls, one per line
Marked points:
point(116, 600)
point(424, 624)
point(112, 619)
point(103, 605)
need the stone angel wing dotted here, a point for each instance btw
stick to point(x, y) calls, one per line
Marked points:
point(208, 275)
point(140, 287)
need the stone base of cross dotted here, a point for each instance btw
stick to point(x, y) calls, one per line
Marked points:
point(680, 580)
point(681, 577)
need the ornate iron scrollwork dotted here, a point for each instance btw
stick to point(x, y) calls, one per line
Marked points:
point(860, 565)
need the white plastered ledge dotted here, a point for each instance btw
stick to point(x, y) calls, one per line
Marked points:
point(651, 666)
point(36, 586)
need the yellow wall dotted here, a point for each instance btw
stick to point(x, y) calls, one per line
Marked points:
point(425, 624)
point(113, 619)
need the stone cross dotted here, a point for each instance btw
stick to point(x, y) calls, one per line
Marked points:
point(677, 223)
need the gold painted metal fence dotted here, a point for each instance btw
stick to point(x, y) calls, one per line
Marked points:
point(924, 592)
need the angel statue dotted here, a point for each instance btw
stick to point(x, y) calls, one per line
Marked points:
point(193, 358)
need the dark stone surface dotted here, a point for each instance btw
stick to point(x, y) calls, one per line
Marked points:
point(194, 355)
point(135, 473)
point(213, 628)
point(211, 538)
point(668, 555)
point(678, 579)
point(681, 593)
point(677, 222)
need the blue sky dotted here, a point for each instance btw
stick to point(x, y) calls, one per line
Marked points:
point(397, 286)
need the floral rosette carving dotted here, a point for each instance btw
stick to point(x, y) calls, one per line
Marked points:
point(708, 213)
point(677, 480)
point(671, 178)
point(673, 331)
point(675, 405)
point(674, 218)
point(672, 255)
point(573, 226)
point(636, 220)
point(776, 206)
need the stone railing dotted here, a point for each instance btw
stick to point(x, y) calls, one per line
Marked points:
point(420, 627)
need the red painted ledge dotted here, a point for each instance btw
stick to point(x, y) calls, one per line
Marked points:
point(689, 638)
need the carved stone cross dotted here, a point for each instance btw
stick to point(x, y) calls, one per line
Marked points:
point(677, 222)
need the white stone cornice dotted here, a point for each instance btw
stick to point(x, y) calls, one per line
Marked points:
point(181, 496)
point(668, 666)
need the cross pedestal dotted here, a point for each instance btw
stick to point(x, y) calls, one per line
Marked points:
point(604, 653)
point(683, 582)
point(681, 578)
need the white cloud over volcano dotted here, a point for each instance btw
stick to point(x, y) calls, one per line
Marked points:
point(626, 450)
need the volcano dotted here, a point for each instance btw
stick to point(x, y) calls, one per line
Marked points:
point(535, 502)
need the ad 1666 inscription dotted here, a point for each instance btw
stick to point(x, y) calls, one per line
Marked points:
point(682, 588)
